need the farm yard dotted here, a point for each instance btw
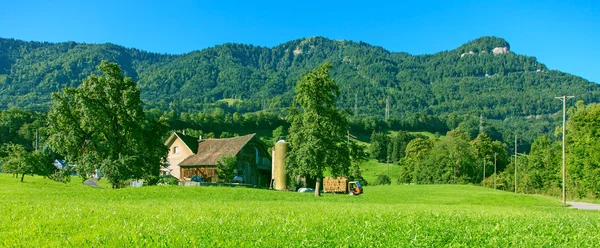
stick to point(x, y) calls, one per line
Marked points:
point(41, 212)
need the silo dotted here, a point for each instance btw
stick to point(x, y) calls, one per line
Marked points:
point(280, 154)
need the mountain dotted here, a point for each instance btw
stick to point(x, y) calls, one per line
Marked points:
point(482, 76)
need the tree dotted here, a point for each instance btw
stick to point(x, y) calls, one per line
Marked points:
point(543, 167)
point(101, 125)
point(379, 145)
point(399, 142)
point(416, 150)
point(20, 161)
point(318, 130)
point(17, 161)
point(484, 151)
point(461, 155)
point(279, 133)
point(226, 168)
point(583, 165)
point(383, 179)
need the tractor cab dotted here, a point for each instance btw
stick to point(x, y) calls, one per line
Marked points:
point(354, 188)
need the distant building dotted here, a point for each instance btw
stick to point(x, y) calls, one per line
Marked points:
point(60, 164)
point(190, 156)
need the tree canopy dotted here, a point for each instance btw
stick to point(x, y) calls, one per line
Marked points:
point(100, 125)
point(318, 130)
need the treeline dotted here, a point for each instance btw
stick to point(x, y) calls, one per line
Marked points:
point(20, 126)
point(390, 148)
point(457, 158)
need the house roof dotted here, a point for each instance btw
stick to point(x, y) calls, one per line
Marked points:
point(211, 150)
point(189, 141)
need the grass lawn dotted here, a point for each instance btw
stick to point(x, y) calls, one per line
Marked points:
point(230, 101)
point(429, 134)
point(371, 169)
point(424, 133)
point(43, 213)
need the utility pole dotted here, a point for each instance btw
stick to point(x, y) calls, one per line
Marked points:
point(495, 153)
point(515, 163)
point(564, 99)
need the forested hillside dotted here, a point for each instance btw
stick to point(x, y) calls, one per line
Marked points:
point(470, 79)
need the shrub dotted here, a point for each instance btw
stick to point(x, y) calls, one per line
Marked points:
point(61, 175)
point(167, 180)
point(383, 180)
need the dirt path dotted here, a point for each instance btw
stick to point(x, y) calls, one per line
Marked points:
point(92, 182)
point(584, 205)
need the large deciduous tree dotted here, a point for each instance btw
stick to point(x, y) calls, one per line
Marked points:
point(416, 151)
point(101, 125)
point(318, 130)
point(460, 154)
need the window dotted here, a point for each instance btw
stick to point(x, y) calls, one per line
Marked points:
point(256, 150)
point(176, 149)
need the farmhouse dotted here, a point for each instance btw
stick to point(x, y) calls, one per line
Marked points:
point(190, 156)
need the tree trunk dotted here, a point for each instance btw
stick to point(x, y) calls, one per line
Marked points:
point(454, 174)
point(318, 187)
point(22, 176)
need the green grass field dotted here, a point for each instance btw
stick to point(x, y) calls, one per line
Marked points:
point(424, 133)
point(230, 101)
point(43, 213)
point(371, 169)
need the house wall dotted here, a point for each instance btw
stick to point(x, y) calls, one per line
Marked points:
point(176, 158)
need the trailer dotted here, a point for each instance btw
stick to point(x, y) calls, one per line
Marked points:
point(341, 186)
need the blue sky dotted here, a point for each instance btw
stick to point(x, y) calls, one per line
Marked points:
point(562, 34)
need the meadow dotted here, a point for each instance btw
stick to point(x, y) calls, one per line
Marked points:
point(39, 212)
point(371, 169)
